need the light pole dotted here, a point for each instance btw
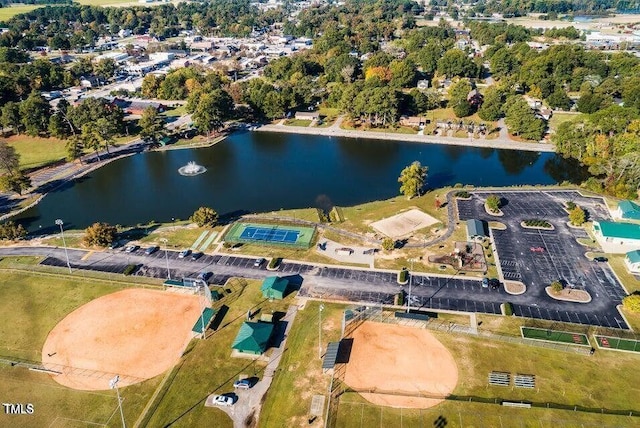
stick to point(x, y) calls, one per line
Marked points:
point(113, 384)
point(166, 255)
point(320, 309)
point(64, 243)
point(410, 282)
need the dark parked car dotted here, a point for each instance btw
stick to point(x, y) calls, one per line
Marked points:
point(600, 259)
point(196, 256)
point(494, 284)
point(204, 276)
point(151, 250)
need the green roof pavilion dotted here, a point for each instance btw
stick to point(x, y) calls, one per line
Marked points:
point(610, 229)
point(629, 210)
point(253, 337)
point(274, 287)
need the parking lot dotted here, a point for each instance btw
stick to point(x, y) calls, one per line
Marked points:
point(561, 258)
point(538, 257)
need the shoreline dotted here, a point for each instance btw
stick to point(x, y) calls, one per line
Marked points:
point(333, 131)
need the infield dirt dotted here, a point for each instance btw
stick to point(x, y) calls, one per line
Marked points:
point(136, 334)
point(398, 366)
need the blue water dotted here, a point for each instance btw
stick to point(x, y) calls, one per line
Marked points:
point(255, 172)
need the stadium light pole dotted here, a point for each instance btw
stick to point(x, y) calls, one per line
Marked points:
point(113, 384)
point(166, 255)
point(320, 309)
point(60, 223)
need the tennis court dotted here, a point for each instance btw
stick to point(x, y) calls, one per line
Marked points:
point(270, 234)
point(274, 235)
point(554, 336)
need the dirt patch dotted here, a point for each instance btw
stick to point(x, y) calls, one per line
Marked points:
point(404, 224)
point(514, 287)
point(136, 333)
point(569, 295)
point(400, 366)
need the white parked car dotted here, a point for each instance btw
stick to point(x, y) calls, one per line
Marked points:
point(222, 400)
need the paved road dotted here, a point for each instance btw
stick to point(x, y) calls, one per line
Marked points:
point(341, 283)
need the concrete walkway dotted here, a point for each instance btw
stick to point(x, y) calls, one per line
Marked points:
point(502, 142)
point(249, 401)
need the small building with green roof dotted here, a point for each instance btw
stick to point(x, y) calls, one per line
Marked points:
point(617, 237)
point(253, 338)
point(274, 287)
point(628, 210)
point(632, 260)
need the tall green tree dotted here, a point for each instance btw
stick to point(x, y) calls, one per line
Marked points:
point(34, 114)
point(412, 179)
point(455, 62)
point(491, 108)
point(522, 121)
point(12, 179)
point(152, 125)
point(212, 110)
point(10, 117)
point(458, 93)
point(204, 216)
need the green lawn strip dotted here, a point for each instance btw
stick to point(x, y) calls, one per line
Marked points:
point(555, 336)
point(609, 342)
point(32, 305)
point(309, 214)
point(355, 412)
point(559, 118)
point(36, 151)
point(358, 218)
point(207, 366)
point(54, 402)
point(177, 111)
point(177, 237)
point(299, 376)
point(630, 282)
point(597, 381)
point(7, 13)
point(297, 122)
point(633, 318)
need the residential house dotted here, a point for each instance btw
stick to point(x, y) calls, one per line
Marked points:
point(307, 115)
point(274, 287)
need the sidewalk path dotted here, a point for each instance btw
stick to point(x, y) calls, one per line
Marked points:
point(502, 142)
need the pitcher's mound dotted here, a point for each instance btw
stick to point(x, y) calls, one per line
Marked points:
point(400, 366)
point(136, 334)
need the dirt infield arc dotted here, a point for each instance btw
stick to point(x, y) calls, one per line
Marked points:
point(398, 365)
point(135, 333)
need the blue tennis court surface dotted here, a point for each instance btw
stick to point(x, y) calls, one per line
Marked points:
point(272, 235)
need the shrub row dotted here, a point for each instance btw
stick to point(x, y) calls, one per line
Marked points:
point(537, 223)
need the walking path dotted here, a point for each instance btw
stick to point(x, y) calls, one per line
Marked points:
point(250, 401)
point(502, 142)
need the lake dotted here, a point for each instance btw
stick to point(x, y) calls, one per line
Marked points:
point(259, 171)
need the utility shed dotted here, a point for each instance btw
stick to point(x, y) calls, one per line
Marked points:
point(476, 229)
point(253, 337)
point(274, 287)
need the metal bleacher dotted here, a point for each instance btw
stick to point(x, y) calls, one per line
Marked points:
point(499, 378)
point(524, 381)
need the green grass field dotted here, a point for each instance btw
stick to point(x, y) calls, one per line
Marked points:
point(35, 151)
point(7, 13)
point(618, 343)
point(555, 336)
point(207, 367)
point(31, 305)
point(561, 378)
